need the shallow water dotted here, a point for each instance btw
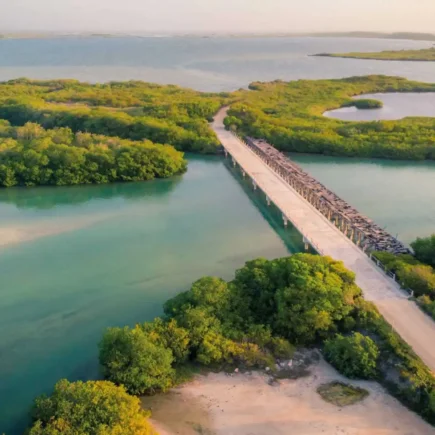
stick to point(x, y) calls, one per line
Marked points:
point(396, 106)
point(118, 253)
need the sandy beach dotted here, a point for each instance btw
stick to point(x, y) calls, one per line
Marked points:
point(246, 404)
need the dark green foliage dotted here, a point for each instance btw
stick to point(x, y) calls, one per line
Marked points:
point(355, 356)
point(31, 155)
point(131, 358)
point(290, 116)
point(424, 249)
point(364, 103)
point(303, 297)
point(92, 408)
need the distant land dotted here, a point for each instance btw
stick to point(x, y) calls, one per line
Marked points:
point(396, 35)
point(357, 34)
point(424, 55)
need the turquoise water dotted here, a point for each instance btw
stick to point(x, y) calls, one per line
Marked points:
point(111, 255)
point(399, 196)
point(396, 106)
point(209, 64)
point(74, 260)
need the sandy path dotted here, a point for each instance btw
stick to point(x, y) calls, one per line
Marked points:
point(245, 404)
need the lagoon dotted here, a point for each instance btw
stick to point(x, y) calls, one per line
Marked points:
point(395, 106)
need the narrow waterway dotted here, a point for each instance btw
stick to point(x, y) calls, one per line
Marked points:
point(80, 259)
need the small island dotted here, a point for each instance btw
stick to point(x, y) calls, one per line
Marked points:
point(423, 55)
point(364, 103)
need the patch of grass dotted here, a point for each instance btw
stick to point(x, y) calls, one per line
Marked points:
point(340, 394)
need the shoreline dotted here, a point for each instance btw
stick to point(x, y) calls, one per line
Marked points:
point(249, 404)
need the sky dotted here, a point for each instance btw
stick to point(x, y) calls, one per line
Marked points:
point(211, 16)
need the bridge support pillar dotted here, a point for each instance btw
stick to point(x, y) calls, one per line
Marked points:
point(285, 220)
point(358, 239)
point(226, 153)
point(243, 173)
point(306, 244)
point(267, 200)
point(254, 184)
point(234, 162)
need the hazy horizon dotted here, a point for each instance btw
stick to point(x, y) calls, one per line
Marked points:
point(217, 16)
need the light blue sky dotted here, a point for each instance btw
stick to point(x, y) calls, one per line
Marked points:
point(217, 15)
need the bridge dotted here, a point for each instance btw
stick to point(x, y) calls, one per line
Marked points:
point(332, 239)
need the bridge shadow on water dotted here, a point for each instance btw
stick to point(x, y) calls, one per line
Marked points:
point(291, 237)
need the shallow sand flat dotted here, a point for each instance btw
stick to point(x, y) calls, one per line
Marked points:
point(243, 404)
point(14, 234)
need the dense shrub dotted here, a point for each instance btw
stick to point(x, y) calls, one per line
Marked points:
point(31, 155)
point(364, 103)
point(424, 249)
point(91, 408)
point(355, 356)
point(129, 357)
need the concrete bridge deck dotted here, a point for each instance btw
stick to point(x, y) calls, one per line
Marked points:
point(417, 329)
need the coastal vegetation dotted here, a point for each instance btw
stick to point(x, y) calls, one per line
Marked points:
point(92, 408)
point(254, 321)
point(65, 132)
point(423, 55)
point(290, 117)
point(413, 36)
point(129, 110)
point(364, 103)
point(415, 272)
point(31, 155)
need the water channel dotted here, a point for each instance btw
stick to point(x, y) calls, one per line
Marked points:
point(74, 260)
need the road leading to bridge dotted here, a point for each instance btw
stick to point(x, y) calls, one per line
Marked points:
point(417, 329)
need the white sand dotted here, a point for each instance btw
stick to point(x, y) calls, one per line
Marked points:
point(244, 404)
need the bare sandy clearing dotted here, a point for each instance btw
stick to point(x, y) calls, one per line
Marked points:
point(246, 404)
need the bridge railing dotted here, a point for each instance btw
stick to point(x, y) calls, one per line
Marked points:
point(319, 250)
point(391, 274)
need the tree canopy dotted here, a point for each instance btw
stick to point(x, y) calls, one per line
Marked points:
point(31, 155)
point(355, 356)
point(131, 358)
point(91, 408)
point(424, 249)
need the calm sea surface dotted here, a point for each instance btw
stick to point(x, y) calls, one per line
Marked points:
point(210, 64)
point(74, 260)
